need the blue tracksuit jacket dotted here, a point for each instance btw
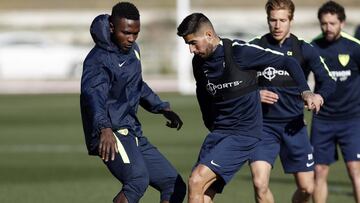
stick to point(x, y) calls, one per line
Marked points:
point(112, 87)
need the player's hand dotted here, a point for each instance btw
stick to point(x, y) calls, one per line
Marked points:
point(107, 146)
point(268, 97)
point(320, 98)
point(175, 121)
point(312, 101)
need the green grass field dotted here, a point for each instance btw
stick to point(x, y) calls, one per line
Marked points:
point(43, 156)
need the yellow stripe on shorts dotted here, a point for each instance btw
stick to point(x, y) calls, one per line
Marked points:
point(122, 151)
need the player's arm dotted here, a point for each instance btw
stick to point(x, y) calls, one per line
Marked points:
point(325, 83)
point(152, 103)
point(95, 85)
point(254, 57)
point(203, 97)
point(206, 108)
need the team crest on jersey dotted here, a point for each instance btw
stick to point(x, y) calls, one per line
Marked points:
point(289, 53)
point(344, 59)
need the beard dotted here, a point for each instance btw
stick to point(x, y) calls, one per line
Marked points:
point(332, 36)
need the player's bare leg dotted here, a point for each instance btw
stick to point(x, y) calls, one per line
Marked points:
point(321, 186)
point(120, 198)
point(353, 168)
point(200, 180)
point(260, 171)
point(209, 195)
point(305, 187)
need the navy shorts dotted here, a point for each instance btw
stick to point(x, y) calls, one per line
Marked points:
point(224, 154)
point(327, 134)
point(139, 162)
point(290, 140)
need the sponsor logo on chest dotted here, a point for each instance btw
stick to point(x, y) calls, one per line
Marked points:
point(270, 73)
point(212, 88)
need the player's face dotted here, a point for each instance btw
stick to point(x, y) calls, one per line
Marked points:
point(331, 26)
point(279, 24)
point(124, 32)
point(199, 44)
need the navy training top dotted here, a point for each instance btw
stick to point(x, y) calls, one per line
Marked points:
point(290, 104)
point(343, 59)
point(241, 115)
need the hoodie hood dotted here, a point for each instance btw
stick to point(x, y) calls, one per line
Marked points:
point(100, 32)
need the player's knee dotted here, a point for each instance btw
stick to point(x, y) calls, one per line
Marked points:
point(196, 181)
point(261, 186)
point(174, 190)
point(353, 171)
point(321, 171)
point(307, 190)
point(135, 188)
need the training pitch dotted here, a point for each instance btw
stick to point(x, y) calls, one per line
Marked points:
point(43, 156)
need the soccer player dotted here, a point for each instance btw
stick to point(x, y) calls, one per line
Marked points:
point(338, 121)
point(112, 89)
point(284, 131)
point(226, 89)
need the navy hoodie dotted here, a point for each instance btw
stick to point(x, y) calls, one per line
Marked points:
point(112, 87)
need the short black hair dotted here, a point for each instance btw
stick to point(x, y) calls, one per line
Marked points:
point(191, 24)
point(333, 8)
point(125, 10)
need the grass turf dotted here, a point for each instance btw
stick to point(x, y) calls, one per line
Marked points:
point(43, 156)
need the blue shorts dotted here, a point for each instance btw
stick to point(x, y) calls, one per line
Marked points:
point(291, 141)
point(326, 134)
point(224, 154)
point(139, 164)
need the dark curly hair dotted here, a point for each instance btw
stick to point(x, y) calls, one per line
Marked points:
point(333, 8)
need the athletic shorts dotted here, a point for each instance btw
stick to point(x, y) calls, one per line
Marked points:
point(224, 154)
point(138, 162)
point(290, 140)
point(327, 134)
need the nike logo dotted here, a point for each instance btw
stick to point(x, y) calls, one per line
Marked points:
point(121, 64)
point(215, 164)
point(309, 164)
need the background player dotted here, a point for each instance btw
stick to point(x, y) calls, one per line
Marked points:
point(284, 130)
point(338, 121)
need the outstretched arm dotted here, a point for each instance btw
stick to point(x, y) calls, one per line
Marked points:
point(253, 57)
point(152, 103)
